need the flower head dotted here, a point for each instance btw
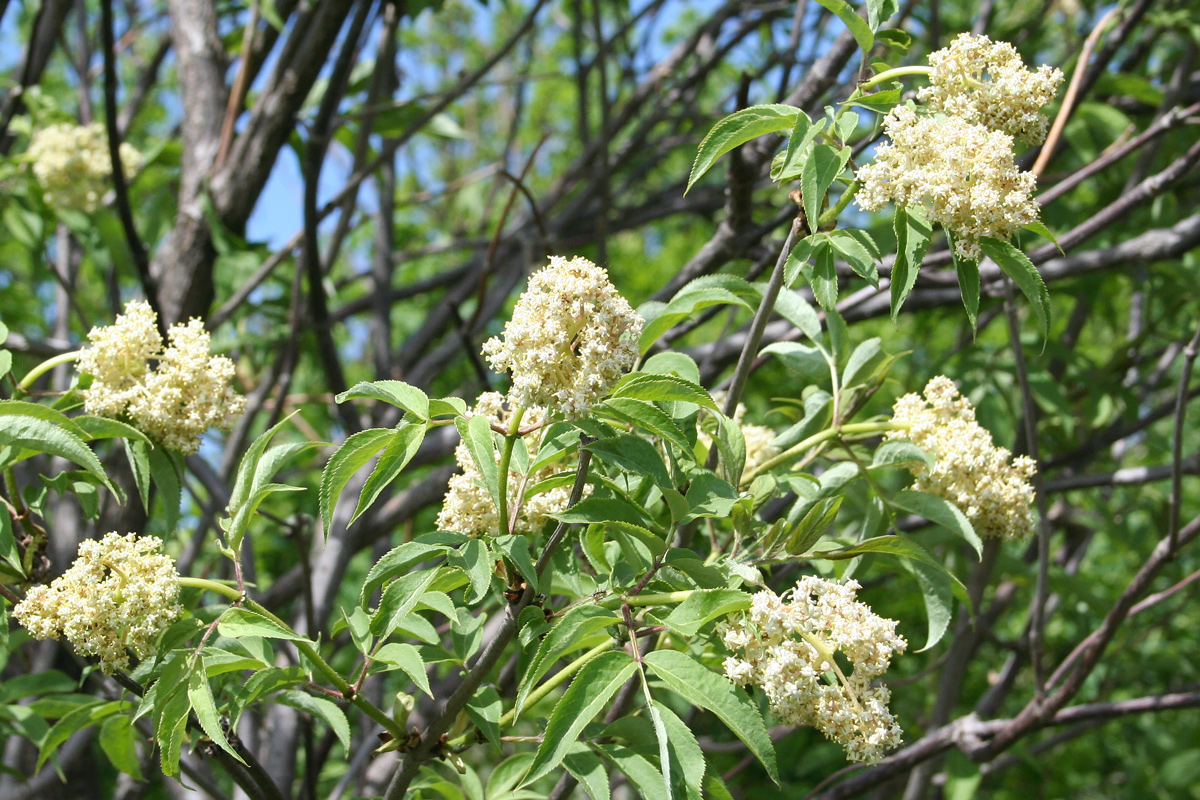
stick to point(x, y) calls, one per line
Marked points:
point(468, 507)
point(985, 82)
point(173, 402)
point(120, 594)
point(969, 470)
point(73, 165)
point(187, 393)
point(571, 337)
point(116, 359)
point(963, 173)
point(787, 645)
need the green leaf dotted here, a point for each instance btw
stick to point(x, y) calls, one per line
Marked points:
point(879, 12)
point(822, 276)
point(603, 509)
point(684, 751)
point(912, 241)
point(940, 512)
point(164, 469)
point(646, 416)
point(703, 606)
point(138, 454)
point(321, 708)
point(1039, 227)
point(572, 631)
point(23, 433)
point(820, 171)
point(737, 129)
point(475, 560)
point(1024, 274)
point(589, 770)
point(703, 687)
point(801, 136)
point(810, 362)
point(476, 434)
point(408, 659)
point(684, 305)
point(485, 709)
point(238, 622)
point(863, 356)
point(899, 452)
point(635, 455)
point(860, 252)
point(355, 452)
point(938, 593)
point(8, 545)
point(200, 696)
point(399, 598)
point(398, 560)
point(968, 284)
point(657, 388)
point(643, 775)
point(586, 697)
point(857, 25)
point(396, 393)
point(792, 306)
point(401, 447)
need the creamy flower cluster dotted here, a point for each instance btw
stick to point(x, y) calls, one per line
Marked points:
point(986, 83)
point(571, 337)
point(468, 507)
point(969, 471)
point(73, 166)
point(759, 438)
point(963, 173)
point(958, 160)
point(176, 401)
point(120, 594)
point(787, 646)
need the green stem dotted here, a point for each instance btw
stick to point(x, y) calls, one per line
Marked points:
point(854, 428)
point(44, 367)
point(510, 441)
point(659, 599)
point(330, 674)
point(832, 212)
point(212, 586)
point(555, 680)
point(887, 75)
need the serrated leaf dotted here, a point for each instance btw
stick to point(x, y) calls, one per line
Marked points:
point(354, 453)
point(8, 544)
point(702, 606)
point(857, 25)
point(408, 659)
point(684, 750)
point(119, 741)
point(820, 170)
point(898, 452)
point(321, 708)
point(938, 595)
point(703, 687)
point(860, 252)
point(810, 362)
point(792, 306)
point(238, 622)
point(646, 416)
point(822, 276)
point(586, 697)
point(164, 468)
point(396, 561)
point(940, 512)
point(404, 443)
point(968, 284)
point(201, 698)
point(1025, 275)
point(912, 241)
point(635, 455)
point(23, 432)
point(657, 388)
point(396, 393)
point(737, 129)
point(589, 770)
point(476, 434)
point(570, 633)
point(399, 598)
point(862, 356)
point(685, 304)
point(139, 464)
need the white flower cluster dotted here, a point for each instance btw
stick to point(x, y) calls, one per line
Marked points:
point(571, 337)
point(759, 438)
point(120, 593)
point(176, 401)
point(73, 166)
point(956, 157)
point(969, 471)
point(963, 173)
point(468, 507)
point(986, 83)
point(787, 646)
